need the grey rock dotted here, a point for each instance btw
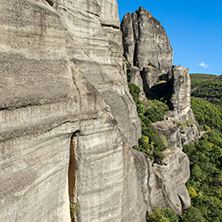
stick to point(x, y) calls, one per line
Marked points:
point(135, 76)
point(64, 95)
point(152, 54)
point(164, 185)
point(182, 112)
point(59, 64)
point(151, 44)
point(170, 132)
point(128, 38)
point(150, 76)
point(181, 96)
point(172, 177)
point(189, 133)
point(95, 47)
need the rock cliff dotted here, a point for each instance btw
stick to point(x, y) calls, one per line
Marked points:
point(148, 57)
point(145, 41)
point(62, 83)
point(68, 121)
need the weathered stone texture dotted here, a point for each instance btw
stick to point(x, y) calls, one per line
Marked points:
point(182, 112)
point(189, 133)
point(181, 95)
point(170, 131)
point(172, 178)
point(62, 74)
point(95, 48)
point(135, 76)
point(150, 75)
point(128, 38)
point(145, 40)
point(164, 185)
point(147, 47)
point(50, 59)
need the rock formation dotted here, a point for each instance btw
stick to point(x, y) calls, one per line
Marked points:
point(61, 75)
point(67, 119)
point(147, 48)
point(148, 57)
point(145, 41)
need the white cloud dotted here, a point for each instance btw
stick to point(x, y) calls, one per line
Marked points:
point(204, 65)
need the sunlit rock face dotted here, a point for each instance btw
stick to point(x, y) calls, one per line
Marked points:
point(182, 112)
point(181, 96)
point(147, 48)
point(40, 110)
point(96, 49)
point(145, 41)
point(64, 95)
point(61, 75)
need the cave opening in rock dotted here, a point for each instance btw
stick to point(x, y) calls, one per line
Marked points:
point(50, 2)
point(72, 177)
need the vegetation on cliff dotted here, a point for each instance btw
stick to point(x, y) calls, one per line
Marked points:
point(149, 111)
point(163, 215)
point(205, 155)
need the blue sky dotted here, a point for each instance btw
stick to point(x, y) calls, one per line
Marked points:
point(194, 29)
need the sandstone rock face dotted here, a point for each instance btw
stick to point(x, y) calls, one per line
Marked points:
point(128, 38)
point(189, 133)
point(170, 131)
point(181, 102)
point(175, 194)
point(62, 78)
point(40, 108)
point(147, 47)
point(164, 185)
point(135, 76)
point(150, 75)
point(95, 47)
point(60, 62)
point(145, 41)
point(181, 95)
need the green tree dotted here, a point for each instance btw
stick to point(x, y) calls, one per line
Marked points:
point(156, 216)
point(192, 214)
point(135, 91)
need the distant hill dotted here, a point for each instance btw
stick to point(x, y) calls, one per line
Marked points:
point(205, 154)
point(208, 87)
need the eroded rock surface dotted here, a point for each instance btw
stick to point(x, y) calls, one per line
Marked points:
point(135, 76)
point(95, 47)
point(60, 62)
point(175, 194)
point(181, 94)
point(145, 41)
point(147, 47)
point(182, 112)
point(62, 76)
point(170, 130)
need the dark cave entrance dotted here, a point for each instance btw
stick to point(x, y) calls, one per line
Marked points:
point(72, 177)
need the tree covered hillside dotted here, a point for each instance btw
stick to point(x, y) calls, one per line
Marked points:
point(208, 87)
point(205, 183)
